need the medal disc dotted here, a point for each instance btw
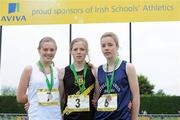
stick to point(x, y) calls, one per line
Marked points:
point(109, 98)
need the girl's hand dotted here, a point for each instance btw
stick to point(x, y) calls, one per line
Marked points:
point(26, 106)
point(130, 105)
point(94, 102)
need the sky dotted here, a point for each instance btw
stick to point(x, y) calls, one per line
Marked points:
point(155, 49)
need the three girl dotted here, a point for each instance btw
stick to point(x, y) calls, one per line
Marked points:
point(111, 92)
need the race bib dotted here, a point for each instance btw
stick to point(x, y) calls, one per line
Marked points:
point(107, 102)
point(78, 103)
point(47, 98)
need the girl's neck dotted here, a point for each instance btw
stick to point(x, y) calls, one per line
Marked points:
point(111, 65)
point(111, 62)
point(79, 65)
point(46, 64)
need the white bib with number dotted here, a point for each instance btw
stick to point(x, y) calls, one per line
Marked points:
point(46, 98)
point(78, 102)
point(107, 102)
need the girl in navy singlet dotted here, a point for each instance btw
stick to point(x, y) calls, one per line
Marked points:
point(119, 89)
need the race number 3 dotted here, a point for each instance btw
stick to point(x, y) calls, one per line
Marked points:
point(78, 102)
point(107, 102)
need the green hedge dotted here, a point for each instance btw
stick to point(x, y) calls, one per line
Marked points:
point(152, 104)
point(160, 104)
point(8, 104)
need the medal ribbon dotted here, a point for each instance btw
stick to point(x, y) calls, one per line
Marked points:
point(109, 82)
point(49, 83)
point(81, 86)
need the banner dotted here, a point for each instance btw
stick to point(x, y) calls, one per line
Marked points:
point(22, 12)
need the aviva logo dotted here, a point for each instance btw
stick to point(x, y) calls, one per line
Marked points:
point(13, 7)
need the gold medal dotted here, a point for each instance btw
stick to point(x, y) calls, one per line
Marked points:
point(81, 81)
point(109, 98)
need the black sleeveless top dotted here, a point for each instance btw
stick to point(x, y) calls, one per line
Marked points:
point(72, 88)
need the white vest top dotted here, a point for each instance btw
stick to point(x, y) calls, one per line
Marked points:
point(38, 81)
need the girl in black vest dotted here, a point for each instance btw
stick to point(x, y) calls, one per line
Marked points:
point(80, 84)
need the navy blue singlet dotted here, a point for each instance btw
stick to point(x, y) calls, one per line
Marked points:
point(121, 88)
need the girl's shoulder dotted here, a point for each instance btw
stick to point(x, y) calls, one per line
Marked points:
point(28, 69)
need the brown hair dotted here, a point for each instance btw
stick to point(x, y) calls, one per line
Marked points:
point(46, 39)
point(79, 39)
point(112, 35)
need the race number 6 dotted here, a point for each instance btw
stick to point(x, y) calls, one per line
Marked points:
point(106, 103)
